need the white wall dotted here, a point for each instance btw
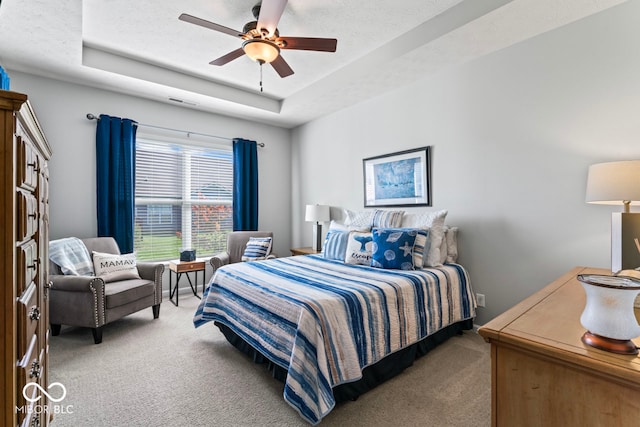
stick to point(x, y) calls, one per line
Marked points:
point(61, 109)
point(512, 136)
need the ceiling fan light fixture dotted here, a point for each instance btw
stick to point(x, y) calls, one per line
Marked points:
point(261, 50)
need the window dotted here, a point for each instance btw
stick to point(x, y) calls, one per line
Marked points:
point(183, 200)
point(159, 214)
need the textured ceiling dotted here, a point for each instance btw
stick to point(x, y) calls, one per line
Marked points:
point(141, 48)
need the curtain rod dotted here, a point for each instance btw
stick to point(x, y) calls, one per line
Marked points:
point(94, 117)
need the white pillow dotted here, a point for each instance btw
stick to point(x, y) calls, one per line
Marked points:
point(359, 248)
point(112, 268)
point(452, 244)
point(336, 226)
point(443, 246)
point(360, 219)
point(386, 219)
point(434, 222)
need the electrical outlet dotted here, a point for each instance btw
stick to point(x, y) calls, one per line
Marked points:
point(480, 300)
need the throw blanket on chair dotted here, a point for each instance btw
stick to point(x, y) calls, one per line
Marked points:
point(72, 256)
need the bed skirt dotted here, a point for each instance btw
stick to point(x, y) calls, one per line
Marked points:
point(373, 375)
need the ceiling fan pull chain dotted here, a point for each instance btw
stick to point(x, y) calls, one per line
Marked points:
point(260, 76)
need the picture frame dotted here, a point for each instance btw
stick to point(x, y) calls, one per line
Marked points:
point(398, 179)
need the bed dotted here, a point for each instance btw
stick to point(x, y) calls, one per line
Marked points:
point(332, 330)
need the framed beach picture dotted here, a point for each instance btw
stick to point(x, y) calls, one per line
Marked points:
point(398, 179)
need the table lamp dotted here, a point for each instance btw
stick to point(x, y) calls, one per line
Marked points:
point(317, 214)
point(618, 183)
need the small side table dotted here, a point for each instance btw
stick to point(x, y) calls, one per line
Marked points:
point(304, 251)
point(185, 267)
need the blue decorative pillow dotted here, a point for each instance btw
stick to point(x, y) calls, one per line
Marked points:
point(393, 248)
point(257, 248)
point(335, 245)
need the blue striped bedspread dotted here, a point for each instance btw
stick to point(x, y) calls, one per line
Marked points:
point(324, 321)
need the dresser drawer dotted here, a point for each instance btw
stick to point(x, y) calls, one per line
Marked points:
point(31, 370)
point(29, 314)
point(29, 366)
point(27, 264)
point(43, 186)
point(27, 165)
point(27, 223)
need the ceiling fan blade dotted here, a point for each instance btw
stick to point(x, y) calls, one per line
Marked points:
point(224, 59)
point(270, 13)
point(308, 43)
point(207, 24)
point(281, 67)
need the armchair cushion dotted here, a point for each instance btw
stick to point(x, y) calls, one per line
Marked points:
point(126, 291)
point(111, 267)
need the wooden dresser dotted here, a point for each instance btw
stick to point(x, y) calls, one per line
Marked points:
point(24, 231)
point(543, 375)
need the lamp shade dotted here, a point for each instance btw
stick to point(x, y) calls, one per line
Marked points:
point(317, 213)
point(614, 183)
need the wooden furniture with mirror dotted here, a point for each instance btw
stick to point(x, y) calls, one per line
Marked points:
point(24, 236)
point(542, 374)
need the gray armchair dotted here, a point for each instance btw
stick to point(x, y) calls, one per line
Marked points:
point(236, 244)
point(87, 301)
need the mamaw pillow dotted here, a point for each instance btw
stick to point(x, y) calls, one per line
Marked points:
point(111, 267)
point(359, 248)
point(257, 248)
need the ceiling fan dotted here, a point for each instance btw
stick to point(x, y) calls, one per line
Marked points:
point(262, 41)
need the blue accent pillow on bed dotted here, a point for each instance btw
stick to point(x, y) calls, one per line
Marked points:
point(394, 248)
point(335, 245)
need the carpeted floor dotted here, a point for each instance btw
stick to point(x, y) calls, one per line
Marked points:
point(165, 372)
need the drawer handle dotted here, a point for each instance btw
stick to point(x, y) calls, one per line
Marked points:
point(33, 215)
point(34, 313)
point(33, 165)
point(36, 370)
point(34, 265)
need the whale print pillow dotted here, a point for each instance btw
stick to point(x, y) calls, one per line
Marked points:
point(359, 248)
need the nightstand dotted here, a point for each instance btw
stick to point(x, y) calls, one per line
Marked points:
point(542, 373)
point(185, 267)
point(304, 251)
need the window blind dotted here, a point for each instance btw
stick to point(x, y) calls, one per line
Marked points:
point(183, 199)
